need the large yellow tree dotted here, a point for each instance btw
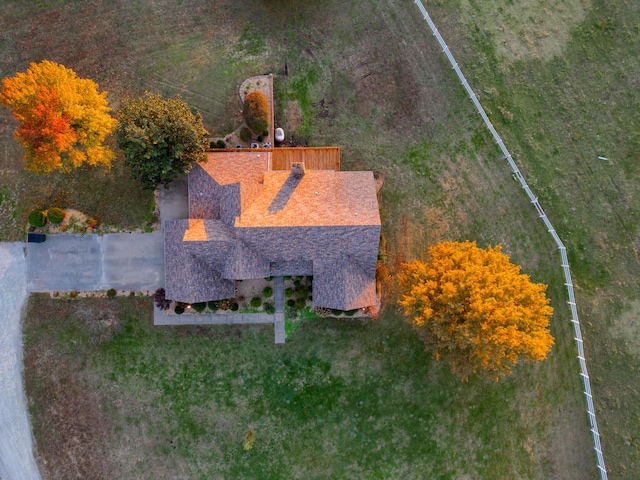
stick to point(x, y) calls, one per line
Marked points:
point(475, 310)
point(63, 119)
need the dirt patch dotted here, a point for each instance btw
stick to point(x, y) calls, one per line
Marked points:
point(529, 29)
point(626, 327)
point(293, 115)
point(247, 289)
point(73, 432)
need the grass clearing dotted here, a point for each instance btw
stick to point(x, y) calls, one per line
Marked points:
point(360, 403)
point(368, 76)
point(558, 113)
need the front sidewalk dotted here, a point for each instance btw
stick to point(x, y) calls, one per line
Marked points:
point(276, 319)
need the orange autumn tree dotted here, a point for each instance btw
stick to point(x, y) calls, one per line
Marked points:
point(256, 111)
point(63, 119)
point(475, 310)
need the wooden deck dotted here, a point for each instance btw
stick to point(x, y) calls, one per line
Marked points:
point(314, 158)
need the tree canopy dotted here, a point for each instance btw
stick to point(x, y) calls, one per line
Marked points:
point(161, 139)
point(475, 310)
point(256, 111)
point(63, 119)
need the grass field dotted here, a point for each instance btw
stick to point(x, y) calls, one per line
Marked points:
point(364, 402)
point(559, 79)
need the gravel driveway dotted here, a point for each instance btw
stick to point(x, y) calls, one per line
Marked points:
point(16, 446)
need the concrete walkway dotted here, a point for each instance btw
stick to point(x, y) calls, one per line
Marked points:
point(160, 318)
point(278, 298)
point(277, 319)
point(127, 261)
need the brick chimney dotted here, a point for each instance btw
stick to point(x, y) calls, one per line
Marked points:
point(297, 168)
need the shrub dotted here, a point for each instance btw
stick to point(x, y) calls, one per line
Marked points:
point(245, 134)
point(161, 302)
point(56, 215)
point(212, 144)
point(212, 306)
point(351, 313)
point(199, 307)
point(296, 282)
point(235, 307)
point(260, 138)
point(302, 292)
point(287, 277)
point(256, 302)
point(265, 133)
point(37, 219)
point(301, 303)
point(269, 308)
point(291, 303)
point(92, 223)
point(73, 294)
point(256, 111)
point(322, 311)
point(221, 144)
point(179, 309)
point(249, 439)
point(337, 313)
point(267, 292)
point(111, 293)
point(225, 304)
point(268, 279)
point(288, 292)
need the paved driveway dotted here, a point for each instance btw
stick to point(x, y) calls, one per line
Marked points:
point(16, 448)
point(127, 261)
point(174, 201)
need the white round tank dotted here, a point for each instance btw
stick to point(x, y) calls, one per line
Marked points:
point(279, 135)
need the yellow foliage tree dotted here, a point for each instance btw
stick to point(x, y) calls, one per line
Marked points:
point(63, 119)
point(475, 310)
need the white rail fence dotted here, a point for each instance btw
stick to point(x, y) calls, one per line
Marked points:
point(543, 216)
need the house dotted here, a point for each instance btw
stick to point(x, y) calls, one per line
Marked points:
point(248, 220)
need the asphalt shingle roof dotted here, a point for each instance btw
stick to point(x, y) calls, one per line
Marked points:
point(255, 223)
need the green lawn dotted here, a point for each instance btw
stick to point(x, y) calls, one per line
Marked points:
point(339, 400)
point(558, 78)
point(560, 81)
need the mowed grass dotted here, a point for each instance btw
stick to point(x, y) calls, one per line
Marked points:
point(369, 77)
point(562, 89)
point(364, 402)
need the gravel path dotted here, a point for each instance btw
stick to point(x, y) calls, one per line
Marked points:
point(16, 446)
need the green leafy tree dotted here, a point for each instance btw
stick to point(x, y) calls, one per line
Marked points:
point(475, 310)
point(161, 139)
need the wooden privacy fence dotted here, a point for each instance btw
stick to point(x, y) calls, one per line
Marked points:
point(563, 251)
point(314, 158)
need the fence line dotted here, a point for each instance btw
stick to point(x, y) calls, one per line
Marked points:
point(563, 251)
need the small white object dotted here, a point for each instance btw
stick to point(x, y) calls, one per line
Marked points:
point(279, 135)
point(603, 158)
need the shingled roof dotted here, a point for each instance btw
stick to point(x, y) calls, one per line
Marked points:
point(251, 222)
